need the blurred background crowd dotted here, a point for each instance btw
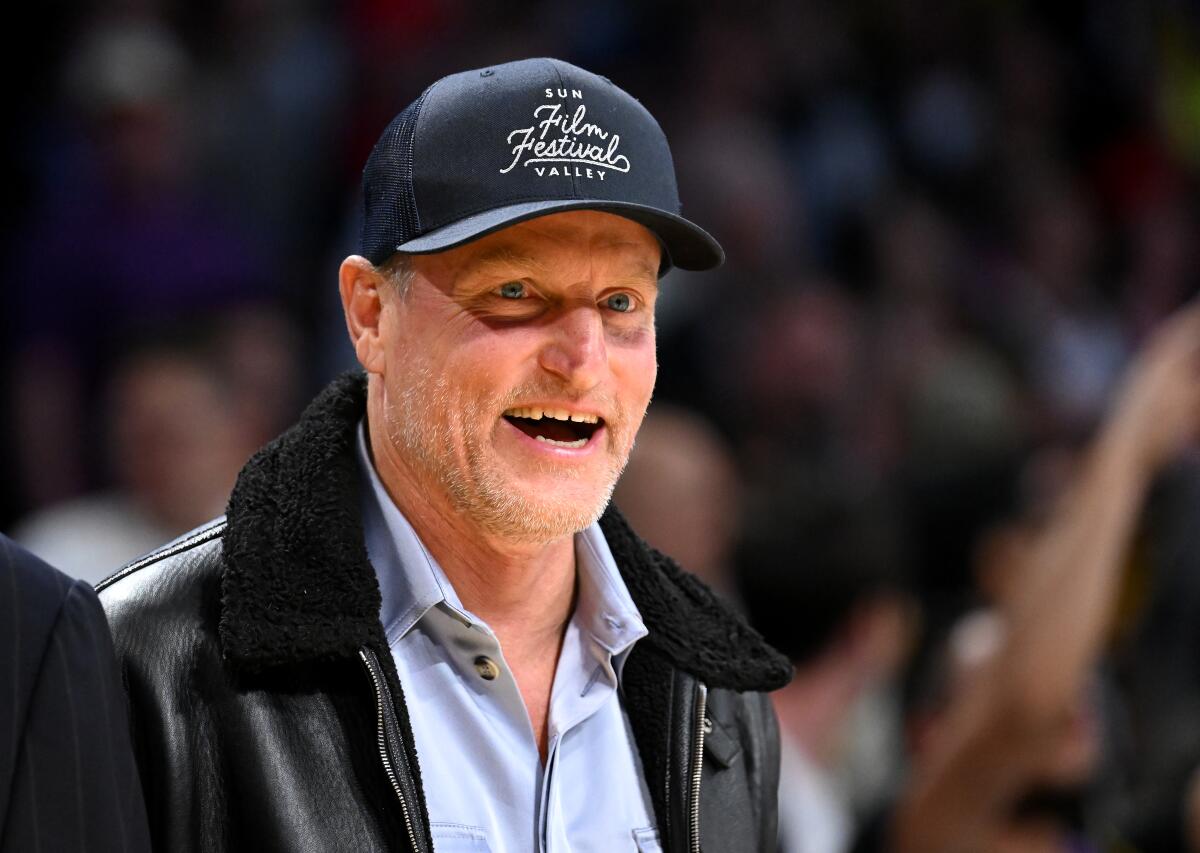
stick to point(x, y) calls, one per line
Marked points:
point(949, 225)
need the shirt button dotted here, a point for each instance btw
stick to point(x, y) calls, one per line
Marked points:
point(486, 668)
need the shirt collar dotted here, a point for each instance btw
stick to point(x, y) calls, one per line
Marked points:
point(411, 581)
point(604, 608)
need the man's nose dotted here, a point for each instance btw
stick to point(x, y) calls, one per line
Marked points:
point(576, 351)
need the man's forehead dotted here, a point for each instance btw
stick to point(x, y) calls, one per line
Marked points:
point(540, 245)
point(506, 258)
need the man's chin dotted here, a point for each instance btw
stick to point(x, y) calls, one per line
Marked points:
point(542, 515)
point(538, 527)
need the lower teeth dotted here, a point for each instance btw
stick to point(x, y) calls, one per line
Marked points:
point(579, 442)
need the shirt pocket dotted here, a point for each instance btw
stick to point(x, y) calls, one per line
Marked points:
point(647, 840)
point(459, 838)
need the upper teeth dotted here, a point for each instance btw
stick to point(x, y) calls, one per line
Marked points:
point(557, 414)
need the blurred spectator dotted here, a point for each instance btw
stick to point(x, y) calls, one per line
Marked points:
point(1075, 339)
point(946, 123)
point(256, 348)
point(794, 379)
point(680, 462)
point(176, 440)
point(1014, 722)
point(282, 71)
point(1165, 264)
point(821, 576)
point(122, 238)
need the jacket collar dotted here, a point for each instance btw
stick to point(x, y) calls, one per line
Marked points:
point(297, 587)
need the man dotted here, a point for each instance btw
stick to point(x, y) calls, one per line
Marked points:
point(67, 776)
point(418, 627)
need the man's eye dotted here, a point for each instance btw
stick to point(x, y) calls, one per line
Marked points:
point(620, 302)
point(512, 290)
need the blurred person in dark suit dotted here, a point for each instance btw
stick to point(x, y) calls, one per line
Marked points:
point(67, 775)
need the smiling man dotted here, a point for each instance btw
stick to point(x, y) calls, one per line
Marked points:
point(420, 626)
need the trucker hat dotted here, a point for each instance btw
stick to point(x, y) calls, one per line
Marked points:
point(488, 148)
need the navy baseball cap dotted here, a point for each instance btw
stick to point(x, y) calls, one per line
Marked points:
point(484, 149)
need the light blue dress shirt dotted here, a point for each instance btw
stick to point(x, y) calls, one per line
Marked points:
point(486, 788)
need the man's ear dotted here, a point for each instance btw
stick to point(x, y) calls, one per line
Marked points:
point(361, 289)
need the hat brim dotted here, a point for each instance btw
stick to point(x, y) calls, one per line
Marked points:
point(686, 245)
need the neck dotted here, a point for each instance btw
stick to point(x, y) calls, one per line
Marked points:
point(523, 590)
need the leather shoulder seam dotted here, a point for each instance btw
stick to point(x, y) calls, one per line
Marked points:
point(204, 534)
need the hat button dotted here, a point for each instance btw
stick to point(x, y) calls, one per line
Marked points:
point(487, 72)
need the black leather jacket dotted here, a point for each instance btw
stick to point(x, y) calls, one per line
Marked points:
point(266, 710)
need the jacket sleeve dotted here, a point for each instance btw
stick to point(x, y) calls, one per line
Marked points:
point(74, 783)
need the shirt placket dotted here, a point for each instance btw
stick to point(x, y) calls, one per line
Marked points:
point(583, 683)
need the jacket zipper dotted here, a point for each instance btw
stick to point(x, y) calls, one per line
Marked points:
point(701, 722)
point(382, 702)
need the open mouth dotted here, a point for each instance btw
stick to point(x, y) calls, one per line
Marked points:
point(557, 427)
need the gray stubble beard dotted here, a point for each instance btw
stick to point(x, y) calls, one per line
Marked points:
point(476, 490)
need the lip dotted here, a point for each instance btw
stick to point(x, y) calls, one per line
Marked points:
point(554, 452)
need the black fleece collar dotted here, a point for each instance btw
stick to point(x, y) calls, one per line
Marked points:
point(297, 585)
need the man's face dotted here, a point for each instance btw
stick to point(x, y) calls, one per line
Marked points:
point(518, 368)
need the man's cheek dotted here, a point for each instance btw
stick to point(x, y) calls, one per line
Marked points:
point(648, 379)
